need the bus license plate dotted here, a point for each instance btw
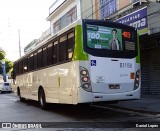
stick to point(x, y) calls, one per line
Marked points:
point(114, 86)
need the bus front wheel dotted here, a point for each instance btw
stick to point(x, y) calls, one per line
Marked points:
point(42, 99)
point(19, 94)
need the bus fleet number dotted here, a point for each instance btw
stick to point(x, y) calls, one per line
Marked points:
point(125, 65)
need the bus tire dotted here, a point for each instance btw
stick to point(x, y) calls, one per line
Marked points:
point(19, 94)
point(42, 99)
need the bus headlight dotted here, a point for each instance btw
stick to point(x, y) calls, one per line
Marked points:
point(85, 80)
point(136, 82)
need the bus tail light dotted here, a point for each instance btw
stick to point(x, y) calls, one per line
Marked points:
point(83, 72)
point(132, 75)
point(85, 79)
point(137, 77)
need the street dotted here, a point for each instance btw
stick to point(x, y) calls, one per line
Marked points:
point(70, 116)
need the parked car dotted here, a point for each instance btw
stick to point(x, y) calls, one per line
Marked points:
point(5, 87)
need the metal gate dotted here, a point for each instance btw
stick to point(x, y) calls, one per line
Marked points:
point(150, 67)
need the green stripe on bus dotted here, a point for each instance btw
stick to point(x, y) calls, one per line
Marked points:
point(143, 31)
point(79, 53)
point(138, 56)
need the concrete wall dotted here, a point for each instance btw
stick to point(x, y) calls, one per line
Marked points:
point(88, 9)
point(123, 3)
point(154, 17)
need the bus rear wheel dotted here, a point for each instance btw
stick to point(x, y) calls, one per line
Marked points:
point(42, 99)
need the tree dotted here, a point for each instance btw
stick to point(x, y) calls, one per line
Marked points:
point(9, 64)
point(2, 54)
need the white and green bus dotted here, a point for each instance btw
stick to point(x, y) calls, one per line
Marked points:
point(86, 62)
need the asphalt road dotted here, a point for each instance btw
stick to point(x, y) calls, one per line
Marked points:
point(69, 117)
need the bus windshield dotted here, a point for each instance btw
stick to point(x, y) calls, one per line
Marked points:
point(110, 38)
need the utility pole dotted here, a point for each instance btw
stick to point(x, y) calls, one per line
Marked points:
point(19, 43)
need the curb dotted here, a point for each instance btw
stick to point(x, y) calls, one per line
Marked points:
point(135, 110)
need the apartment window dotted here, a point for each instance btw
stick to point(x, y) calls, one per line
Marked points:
point(72, 15)
point(56, 26)
point(63, 22)
point(107, 7)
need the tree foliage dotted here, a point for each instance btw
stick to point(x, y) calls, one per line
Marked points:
point(8, 63)
point(2, 54)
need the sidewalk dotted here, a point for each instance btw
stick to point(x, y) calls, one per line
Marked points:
point(146, 104)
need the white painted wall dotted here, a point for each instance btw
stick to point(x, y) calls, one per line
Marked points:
point(59, 13)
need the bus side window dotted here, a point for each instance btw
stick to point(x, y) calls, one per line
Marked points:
point(17, 68)
point(44, 57)
point(28, 63)
point(50, 54)
point(39, 58)
point(63, 49)
point(35, 61)
point(31, 62)
point(20, 67)
point(25, 65)
point(70, 45)
point(55, 53)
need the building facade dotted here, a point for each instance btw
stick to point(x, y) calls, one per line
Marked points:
point(141, 14)
point(63, 13)
point(145, 16)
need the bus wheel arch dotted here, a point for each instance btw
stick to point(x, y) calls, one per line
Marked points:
point(42, 98)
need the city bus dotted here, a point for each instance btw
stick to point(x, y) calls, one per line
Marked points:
point(88, 61)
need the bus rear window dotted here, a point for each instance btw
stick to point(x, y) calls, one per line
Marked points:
point(6, 84)
point(102, 37)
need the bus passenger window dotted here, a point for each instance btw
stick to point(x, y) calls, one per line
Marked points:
point(44, 57)
point(25, 65)
point(28, 64)
point(31, 62)
point(55, 52)
point(21, 67)
point(35, 61)
point(39, 60)
point(50, 54)
point(70, 45)
point(63, 48)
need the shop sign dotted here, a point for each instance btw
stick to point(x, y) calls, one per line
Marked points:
point(137, 19)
